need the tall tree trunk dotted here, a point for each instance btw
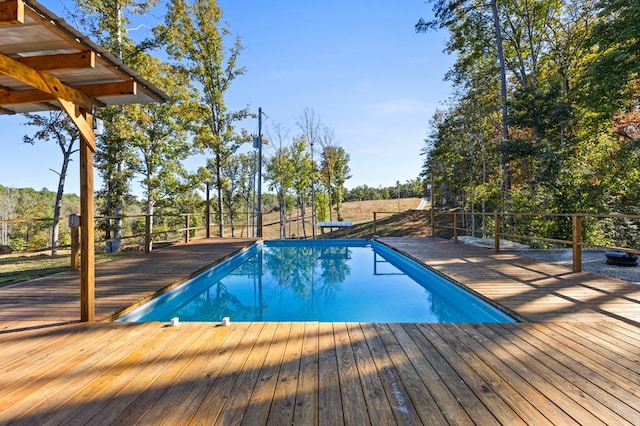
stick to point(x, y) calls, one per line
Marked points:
point(58, 204)
point(283, 213)
point(150, 210)
point(219, 186)
point(503, 91)
point(302, 216)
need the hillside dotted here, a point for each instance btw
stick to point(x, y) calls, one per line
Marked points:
point(394, 218)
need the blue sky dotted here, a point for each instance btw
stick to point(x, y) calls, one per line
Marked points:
point(357, 63)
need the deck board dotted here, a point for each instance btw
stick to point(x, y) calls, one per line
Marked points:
point(575, 361)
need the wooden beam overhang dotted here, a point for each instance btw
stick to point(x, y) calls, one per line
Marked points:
point(16, 97)
point(44, 82)
point(69, 98)
point(60, 62)
point(12, 12)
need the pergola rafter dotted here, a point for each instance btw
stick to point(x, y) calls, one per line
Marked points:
point(46, 64)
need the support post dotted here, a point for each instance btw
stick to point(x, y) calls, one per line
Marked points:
point(186, 228)
point(498, 225)
point(577, 243)
point(87, 240)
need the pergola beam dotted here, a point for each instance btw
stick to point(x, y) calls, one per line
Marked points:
point(12, 12)
point(59, 62)
point(44, 82)
point(17, 97)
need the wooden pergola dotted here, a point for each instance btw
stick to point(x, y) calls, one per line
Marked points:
point(45, 64)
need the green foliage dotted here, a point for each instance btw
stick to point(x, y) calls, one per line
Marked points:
point(322, 206)
point(26, 203)
point(195, 39)
point(573, 111)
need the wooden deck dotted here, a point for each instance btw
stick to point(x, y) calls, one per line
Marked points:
point(576, 362)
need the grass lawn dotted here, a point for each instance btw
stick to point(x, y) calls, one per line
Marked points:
point(24, 268)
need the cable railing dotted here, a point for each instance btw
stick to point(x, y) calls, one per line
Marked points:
point(616, 233)
point(33, 235)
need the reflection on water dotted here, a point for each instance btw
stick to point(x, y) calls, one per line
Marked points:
point(316, 283)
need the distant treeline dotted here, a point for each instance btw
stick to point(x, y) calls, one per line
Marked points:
point(27, 203)
point(410, 189)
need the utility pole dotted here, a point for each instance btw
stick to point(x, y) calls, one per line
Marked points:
point(313, 194)
point(259, 221)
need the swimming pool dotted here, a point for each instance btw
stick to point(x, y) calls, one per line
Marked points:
point(319, 280)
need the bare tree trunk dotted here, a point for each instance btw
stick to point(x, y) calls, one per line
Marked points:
point(219, 186)
point(304, 226)
point(150, 211)
point(503, 81)
point(55, 229)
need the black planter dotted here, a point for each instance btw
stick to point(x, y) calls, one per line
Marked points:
point(621, 259)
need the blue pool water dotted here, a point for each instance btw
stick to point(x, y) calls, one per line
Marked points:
point(319, 280)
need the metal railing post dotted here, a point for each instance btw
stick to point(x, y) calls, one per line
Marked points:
point(577, 242)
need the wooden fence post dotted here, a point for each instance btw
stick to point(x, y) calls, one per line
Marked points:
point(147, 233)
point(74, 224)
point(375, 225)
point(186, 228)
point(577, 242)
point(498, 225)
point(455, 227)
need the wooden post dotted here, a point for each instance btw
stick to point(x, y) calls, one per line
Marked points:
point(186, 228)
point(455, 227)
point(87, 240)
point(74, 225)
point(147, 233)
point(207, 221)
point(375, 225)
point(433, 213)
point(498, 222)
point(577, 240)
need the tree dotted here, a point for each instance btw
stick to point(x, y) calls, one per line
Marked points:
point(106, 20)
point(7, 208)
point(334, 171)
point(612, 78)
point(310, 125)
point(58, 127)
point(465, 19)
point(160, 136)
point(279, 173)
point(301, 162)
point(195, 37)
point(237, 172)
